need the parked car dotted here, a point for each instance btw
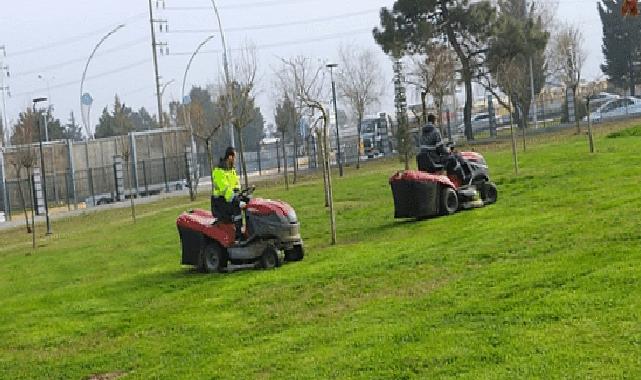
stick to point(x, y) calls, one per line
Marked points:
point(480, 122)
point(601, 98)
point(616, 108)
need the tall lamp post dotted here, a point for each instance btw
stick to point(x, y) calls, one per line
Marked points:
point(331, 67)
point(84, 73)
point(226, 68)
point(46, 79)
point(188, 121)
point(42, 165)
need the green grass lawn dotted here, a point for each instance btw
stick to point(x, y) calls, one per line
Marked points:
point(544, 284)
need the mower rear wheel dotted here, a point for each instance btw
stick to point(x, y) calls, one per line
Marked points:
point(269, 259)
point(212, 259)
point(489, 193)
point(449, 201)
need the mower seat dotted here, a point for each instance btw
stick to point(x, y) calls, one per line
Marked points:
point(425, 163)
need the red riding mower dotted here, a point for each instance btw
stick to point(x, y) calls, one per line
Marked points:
point(428, 192)
point(271, 227)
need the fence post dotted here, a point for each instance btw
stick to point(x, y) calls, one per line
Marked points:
point(53, 174)
point(119, 179)
point(38, 200)
point(144, 176)
point(260, 169)
point(3, 188)
point(315, 153)
point(93, 192)
point(190, 176)
point(72, 172)
point(164, 164)
point(89, 179)
point(278, 154)
point(134, 159)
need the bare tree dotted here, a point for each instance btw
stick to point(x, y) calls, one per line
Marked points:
point(511, 74)
point(294, 76)
point(284, 121)
point(203, 129)
point(125, 151)
point(240, 96)
point(310, 87)
point(435, 74)
point(360, 81)
point(23, 135)
point(568, 56)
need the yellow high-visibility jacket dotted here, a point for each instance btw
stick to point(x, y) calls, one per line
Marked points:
point(224, 181)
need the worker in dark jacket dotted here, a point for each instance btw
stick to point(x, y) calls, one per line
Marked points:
point(225, 203)
point(433, 150)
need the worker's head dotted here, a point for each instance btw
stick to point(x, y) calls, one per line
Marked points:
point(431, 118)
point(230, 156)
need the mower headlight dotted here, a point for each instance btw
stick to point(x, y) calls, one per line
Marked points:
point(292, 217)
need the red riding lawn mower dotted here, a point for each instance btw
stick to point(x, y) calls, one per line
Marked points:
point(271, 227)
point(437, 189)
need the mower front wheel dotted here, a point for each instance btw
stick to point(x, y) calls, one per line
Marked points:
point(295, 254)
point(212, 258)
point(449, 201)
point(489, 193)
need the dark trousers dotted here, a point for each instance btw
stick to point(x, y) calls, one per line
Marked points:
point(228, 212)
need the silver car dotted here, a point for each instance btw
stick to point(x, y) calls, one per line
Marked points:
point(616, 108)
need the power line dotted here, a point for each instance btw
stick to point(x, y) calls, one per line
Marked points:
point(284, 24)
point(244, 5)
point(289, 43)
point(77, 82)
point(80, 59)
point(67, 41)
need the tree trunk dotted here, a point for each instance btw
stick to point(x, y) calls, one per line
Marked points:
point(285, 161)
point(295, 156)
point(358, 141)
point(131, 193)
point(210, 156)
point(514, 154)
point(24, 204)
point(33, 211)
point(576, 118)
point(322, 157)
point(329, 192)
point(466, 71)
point(632, 79)
point(467, 111)
point(243, 164)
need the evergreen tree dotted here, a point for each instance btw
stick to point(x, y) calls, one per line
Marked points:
point(72, 131)
point(621, 45)
point(411, 25)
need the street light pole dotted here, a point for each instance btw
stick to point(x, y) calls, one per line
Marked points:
point(188, 122)
point(46, 80)
point(226, 68)
point(331, 67)
point(42, 165)
point(84, 73)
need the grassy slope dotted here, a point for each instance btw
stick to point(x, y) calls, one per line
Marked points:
point(543, 284)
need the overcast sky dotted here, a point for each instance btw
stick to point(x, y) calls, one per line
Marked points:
point(55, 38)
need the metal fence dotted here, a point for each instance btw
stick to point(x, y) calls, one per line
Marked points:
point(82, 174)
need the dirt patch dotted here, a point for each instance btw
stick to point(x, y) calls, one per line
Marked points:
point(107, 376)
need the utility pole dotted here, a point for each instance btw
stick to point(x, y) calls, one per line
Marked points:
point(154, 46)
point(533, 100)
point(4, 71)
point(331, 67)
